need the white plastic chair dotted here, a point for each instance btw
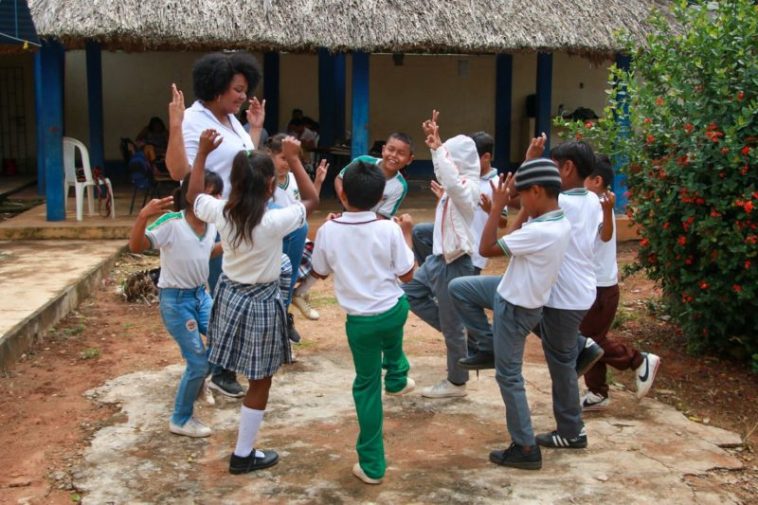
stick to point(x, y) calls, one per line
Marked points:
point(70, 145)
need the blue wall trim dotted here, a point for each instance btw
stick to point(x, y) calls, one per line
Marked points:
point(544, 95)
point(503, 99)
point(271, 92)
point(95, 104)
point(326, 98)
point(50, 88)
point(360, 104)
point(619, 182)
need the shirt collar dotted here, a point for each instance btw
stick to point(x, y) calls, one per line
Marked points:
point(357, 217)
point(553, 215)
point(575, 192)
point(490, 175)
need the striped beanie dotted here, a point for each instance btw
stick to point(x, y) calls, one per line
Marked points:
point(540, 172)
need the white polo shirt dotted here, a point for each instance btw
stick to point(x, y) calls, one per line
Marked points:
point(575, 288)
point(366, 255)
point(536, 251)
point(259, 262)
point(395, 189)
point(606, 269)
point(480, 219)
point(184, 254)
point(288, 193)
point(198, 118)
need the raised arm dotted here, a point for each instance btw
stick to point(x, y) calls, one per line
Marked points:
point(308, 194)
point(501, 196)
point(607, 202)
point(321, 171)
point(256, 114)
point(209, 140)
point(138, 242)
point(176, 156)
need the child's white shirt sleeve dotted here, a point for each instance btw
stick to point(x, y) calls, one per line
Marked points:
point(463, 194)
point(160, 234)
point(285, 220)
point(208, 208)
point(525, 240)
point(402, 256)
point(319, 259)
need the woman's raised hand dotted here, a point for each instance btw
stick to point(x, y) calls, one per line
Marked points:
point(176, 107)
point(256, 113)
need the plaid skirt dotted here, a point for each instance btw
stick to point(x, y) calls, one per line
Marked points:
point(306, 265)
point(248, 327)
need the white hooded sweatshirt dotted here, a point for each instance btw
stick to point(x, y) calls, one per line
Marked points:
point(456, 166)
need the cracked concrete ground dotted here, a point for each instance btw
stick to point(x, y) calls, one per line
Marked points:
point(437, 450)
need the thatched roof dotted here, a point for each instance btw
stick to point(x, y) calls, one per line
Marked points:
point(441, 26)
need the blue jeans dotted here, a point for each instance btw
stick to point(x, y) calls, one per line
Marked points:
point(293, 246)
point(214, 269)
point(185, 313)
point(430, 300)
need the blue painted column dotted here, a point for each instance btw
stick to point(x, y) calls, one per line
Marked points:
point(544, 95)
point(326, 98)
point(360, 104)
point(49, 96)
point(271, 92)
point(38, 108)
point(503, 100)
point(339, 96)
point(95, 104)
point(623, 62)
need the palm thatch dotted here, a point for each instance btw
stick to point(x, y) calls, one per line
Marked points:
point(441, 26)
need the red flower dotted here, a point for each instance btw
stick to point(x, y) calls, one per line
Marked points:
point(715, 213)
point(683, 161)
point(744, 169)
point(700, 201)
point(688, 127)
point(740, 96)
point(736, 288)
point(703, 285)
point(688, 261)
point(647, 120)
point(751, 239)
point(755, 195)
point(747, 264)
point(711, 126)
point(713, 135)
point(659, 101)
point(748, 207)
point(682, 240)
point(666, 225)
point(724, 151)
point(649, 139)
point(722, 175)
point(589, 124)
point(644, 242)
point(686, 224)
point(686, 298)
point(745, 151)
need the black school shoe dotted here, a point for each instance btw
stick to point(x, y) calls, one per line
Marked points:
point(555, 441)
point(291, 331)
point(238, 465)
point(515, 457)
point(478, 361)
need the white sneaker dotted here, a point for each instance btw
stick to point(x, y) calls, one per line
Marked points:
point(591, 402)
point(206, 393)
point(410, 385)
point(192, 428)
point(304, 304)
point(358, 472)
point(645, 373)
point(444, 389)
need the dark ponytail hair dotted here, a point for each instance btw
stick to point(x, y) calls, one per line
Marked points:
point(252, 172)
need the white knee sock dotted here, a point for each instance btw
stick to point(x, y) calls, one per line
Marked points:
point(250, 423)
point(305, 286)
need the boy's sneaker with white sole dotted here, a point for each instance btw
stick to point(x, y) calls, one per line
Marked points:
point(645, 373)
point(555, 441)
point(410, 385)
point(592, 402)
point(588, 356)
point(358, 472)
point(192, 428)
point(444, 389)
point(303, 303)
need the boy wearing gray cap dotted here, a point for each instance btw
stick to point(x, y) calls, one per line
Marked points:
point(535, 240)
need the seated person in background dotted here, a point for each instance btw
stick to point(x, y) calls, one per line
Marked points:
point(308, 140)
point(153, 139)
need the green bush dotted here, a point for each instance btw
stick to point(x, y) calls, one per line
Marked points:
point(689, 153)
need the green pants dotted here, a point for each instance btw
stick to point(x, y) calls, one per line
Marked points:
point(376, 342)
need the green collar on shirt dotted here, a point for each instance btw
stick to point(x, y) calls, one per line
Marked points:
point(553, 215)
point(575, 192)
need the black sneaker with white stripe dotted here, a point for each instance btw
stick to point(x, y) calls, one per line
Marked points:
point(555, 441)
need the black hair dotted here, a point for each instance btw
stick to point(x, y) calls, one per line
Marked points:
point(485, 144)
point(251, 176)
point(156, 121)
point(402, 137)
point(180, 194)
point(297, 121)
point(578, 152)
point(363, 184)
point(274, 144)
point(213, 73)
point(603, 169)
point(552, 191)
point(214, 182)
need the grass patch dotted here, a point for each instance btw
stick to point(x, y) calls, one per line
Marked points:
point(74, 330)
point(90, 353)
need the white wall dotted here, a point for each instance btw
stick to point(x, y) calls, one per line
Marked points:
point(462, 87)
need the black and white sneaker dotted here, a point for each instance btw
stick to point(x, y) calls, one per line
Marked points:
point(226, 384)
point(646, 372)
point(588, 356)
point(555, 441)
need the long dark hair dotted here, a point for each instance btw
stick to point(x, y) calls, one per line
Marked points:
point(252, 172)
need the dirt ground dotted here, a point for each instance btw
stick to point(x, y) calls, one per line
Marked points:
point(48, 421)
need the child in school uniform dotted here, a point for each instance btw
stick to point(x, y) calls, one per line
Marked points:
point(367, 256)
point(456, 167)
point(186, 243)
point(600, 317)
point(535, 241)
point(397, 153)
point(247, 333)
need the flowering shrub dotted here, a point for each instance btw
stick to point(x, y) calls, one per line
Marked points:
point(689, 152)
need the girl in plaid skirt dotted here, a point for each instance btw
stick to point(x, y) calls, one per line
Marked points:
point(248, 328)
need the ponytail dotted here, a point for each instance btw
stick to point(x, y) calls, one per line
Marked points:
point(251, 176)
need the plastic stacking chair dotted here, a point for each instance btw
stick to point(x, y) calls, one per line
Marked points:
point(82, 182)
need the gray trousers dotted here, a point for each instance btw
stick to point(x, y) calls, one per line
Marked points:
point(430, 300)
point(512, 325)
point(423, 238)
point(471, 295)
